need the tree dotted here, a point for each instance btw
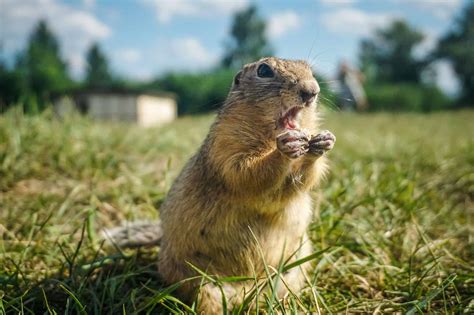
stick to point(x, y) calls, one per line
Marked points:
point(458, 47)
point(388, 55)
point(41, 67)
point(248, 40)
point(98, 74)
point(209, 90)
point(10, 87)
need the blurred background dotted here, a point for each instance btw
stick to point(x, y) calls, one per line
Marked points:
point(398, 55)
point(394, 215)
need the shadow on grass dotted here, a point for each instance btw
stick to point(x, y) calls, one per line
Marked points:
point(117, 284)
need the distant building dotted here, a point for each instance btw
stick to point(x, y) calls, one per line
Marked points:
point(143, 108)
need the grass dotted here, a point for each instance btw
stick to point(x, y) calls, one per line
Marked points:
point(394, 220)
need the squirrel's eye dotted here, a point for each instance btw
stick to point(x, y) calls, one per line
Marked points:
point(264, 71)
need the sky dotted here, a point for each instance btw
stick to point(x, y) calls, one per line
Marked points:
point(145, 38)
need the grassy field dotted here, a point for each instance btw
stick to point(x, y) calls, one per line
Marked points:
point(395, 215)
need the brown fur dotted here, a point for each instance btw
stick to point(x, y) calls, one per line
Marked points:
point(239, 186)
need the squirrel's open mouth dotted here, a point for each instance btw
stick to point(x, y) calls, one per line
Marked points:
point(288, 119)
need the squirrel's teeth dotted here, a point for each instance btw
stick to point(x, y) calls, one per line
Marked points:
point(288, 119)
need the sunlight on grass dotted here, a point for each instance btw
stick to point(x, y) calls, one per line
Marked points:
point(394, 217)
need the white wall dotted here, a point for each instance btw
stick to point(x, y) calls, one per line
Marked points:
point(153, 110)
point(115, 107)
point(146, 110)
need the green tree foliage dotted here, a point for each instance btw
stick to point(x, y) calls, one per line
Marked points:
point(10, 87)
point(248, 39)
point(405, 97)
point(458, 47)
point(388, 55)
point(41, 66)
point(394, 74)
point(97, 73)
point(197, 92)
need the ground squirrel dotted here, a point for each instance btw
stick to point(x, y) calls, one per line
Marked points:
point(248, 184)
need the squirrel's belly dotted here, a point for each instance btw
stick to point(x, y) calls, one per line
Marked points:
point(287, 231)
point(221, 238)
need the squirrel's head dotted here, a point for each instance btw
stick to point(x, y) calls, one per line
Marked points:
point(281, 92)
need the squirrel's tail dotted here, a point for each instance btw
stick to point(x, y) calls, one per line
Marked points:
point(135, 234)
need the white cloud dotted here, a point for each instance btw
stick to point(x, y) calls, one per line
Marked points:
point(75, 28)
point(88, 3)
point(355, 21)
point(430, 40)
point(186, 54)
point(446, 78)
point(165, 10)
point(128, 55)
point(77, 62)
point(190, 51)
point(442, 9)
point(337, 2)
point(282, 23)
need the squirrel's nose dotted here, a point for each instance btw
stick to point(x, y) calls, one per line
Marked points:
point(307, 96)
point(308, 92)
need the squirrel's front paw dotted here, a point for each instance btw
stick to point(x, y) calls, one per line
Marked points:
point(321, 143)
point(293, 143)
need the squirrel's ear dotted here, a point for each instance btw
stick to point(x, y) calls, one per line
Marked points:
point(237, 78)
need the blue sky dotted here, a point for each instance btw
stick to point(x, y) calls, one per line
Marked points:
point(144, 38)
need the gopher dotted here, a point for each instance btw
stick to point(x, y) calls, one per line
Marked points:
point(242, 201)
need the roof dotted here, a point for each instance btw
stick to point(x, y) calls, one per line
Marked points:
point(119, 91)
